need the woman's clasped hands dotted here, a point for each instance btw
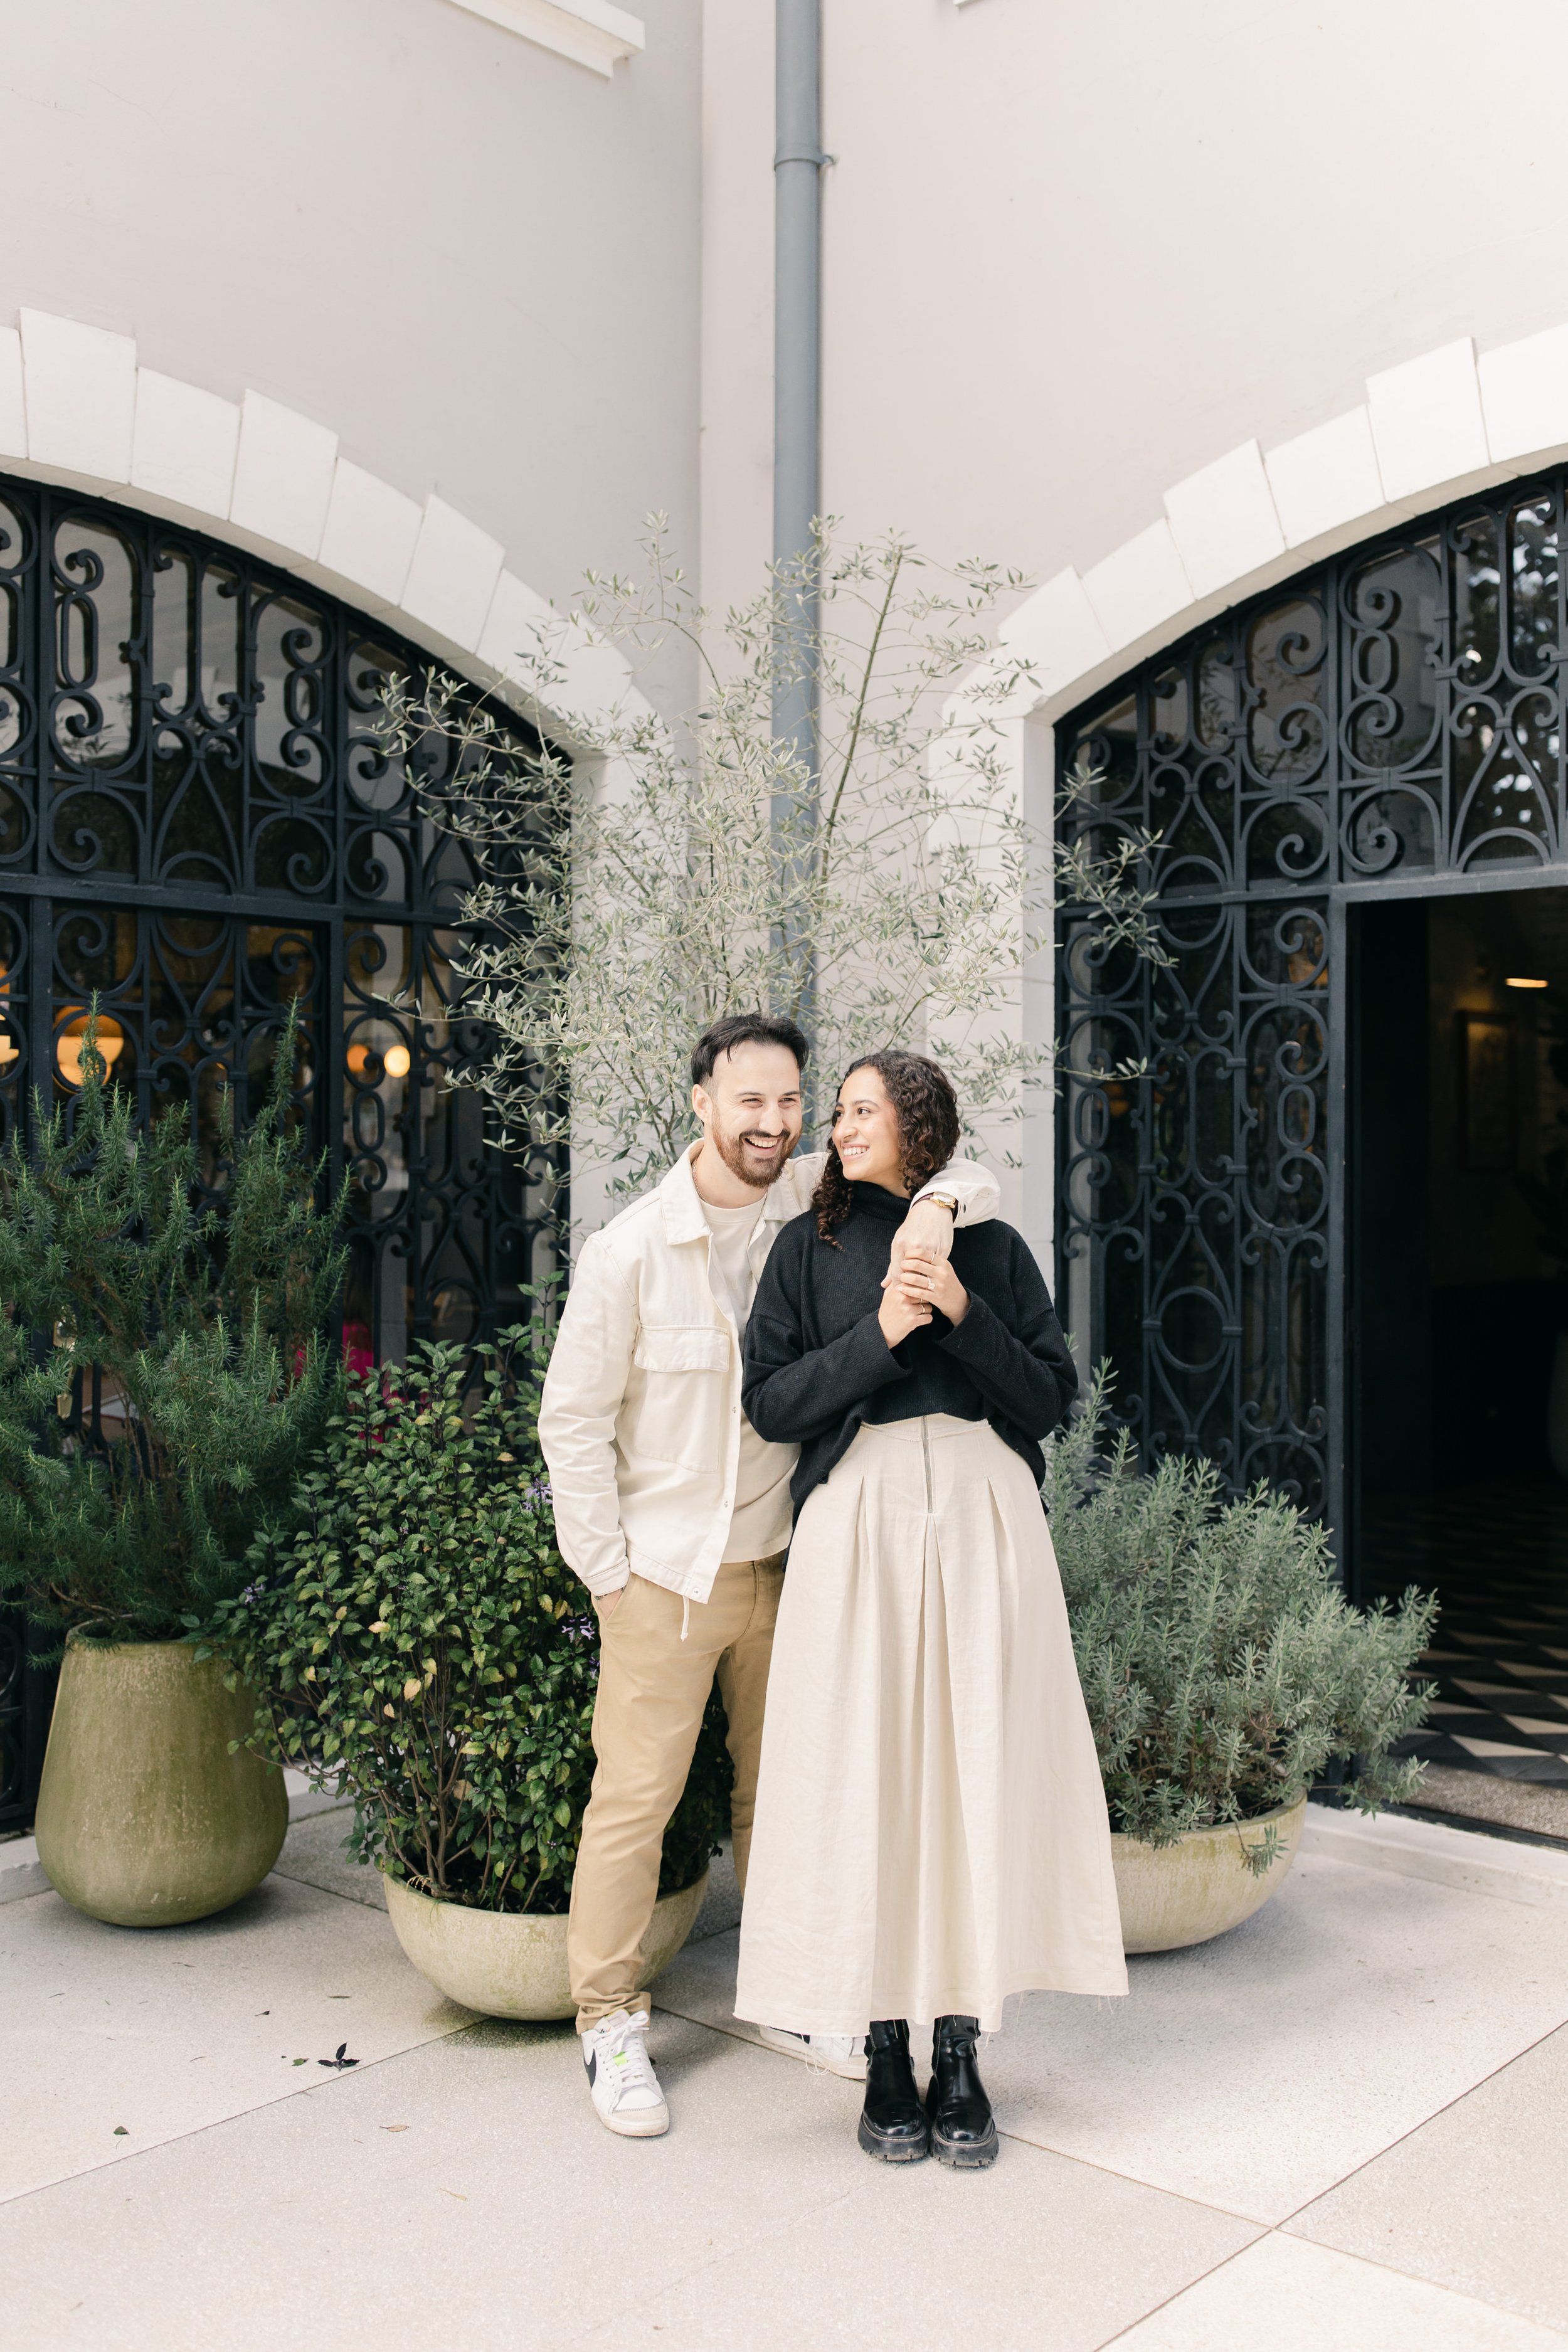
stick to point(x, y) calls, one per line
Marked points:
point(918, 1282)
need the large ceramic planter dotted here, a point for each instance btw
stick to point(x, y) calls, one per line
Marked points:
point(1172, 1895)
point(144, 1818)
point(513, 1963)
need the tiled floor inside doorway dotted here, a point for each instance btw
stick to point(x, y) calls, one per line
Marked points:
point(1499, 1558)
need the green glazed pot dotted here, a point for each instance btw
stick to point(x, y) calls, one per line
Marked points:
point(144, 1818)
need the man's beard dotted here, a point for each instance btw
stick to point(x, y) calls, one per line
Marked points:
point(732, 1149)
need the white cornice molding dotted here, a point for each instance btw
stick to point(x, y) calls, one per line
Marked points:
point(1430, 430)
point(77, 408)
point(590, 32)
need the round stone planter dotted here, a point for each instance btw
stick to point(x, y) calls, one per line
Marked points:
point(144, 1818)
point(1172, 1895)
point(513, 1963)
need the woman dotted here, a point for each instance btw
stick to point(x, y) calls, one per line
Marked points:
point(931, 1831)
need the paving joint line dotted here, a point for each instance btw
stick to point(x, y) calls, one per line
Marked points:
point(365, 2067)
point(1019, 2139)
point(1398, 2141)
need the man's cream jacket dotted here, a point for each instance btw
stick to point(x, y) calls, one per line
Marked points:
point(640, 1422)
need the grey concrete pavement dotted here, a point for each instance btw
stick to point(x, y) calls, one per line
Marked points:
point(1277, 2141)
point(1257, 2071)
point(1477, 2195)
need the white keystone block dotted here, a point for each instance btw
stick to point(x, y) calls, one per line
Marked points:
point(453, 576)
point(81, 396)
point(370, 532)
point(591, 32)
point(519, 629)
point(184, 443)
point(1141, 584)
point(1223, 521)
point(1524, 394)
point(1427, 420)
point(1056, 629)
point(1325, 477)
point(283, 475)
point(13, 407)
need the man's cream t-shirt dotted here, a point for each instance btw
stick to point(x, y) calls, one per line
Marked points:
point(762, 1519)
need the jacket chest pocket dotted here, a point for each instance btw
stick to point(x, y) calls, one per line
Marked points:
point(681, 1395)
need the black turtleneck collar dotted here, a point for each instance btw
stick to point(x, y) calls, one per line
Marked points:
point(872, 1201)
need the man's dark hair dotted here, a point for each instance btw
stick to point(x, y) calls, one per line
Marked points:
point(744, 1029)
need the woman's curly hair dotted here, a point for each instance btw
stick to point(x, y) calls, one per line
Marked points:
point(926, 1111)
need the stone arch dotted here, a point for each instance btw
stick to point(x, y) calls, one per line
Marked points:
point(77, 409)
point(1429, 431)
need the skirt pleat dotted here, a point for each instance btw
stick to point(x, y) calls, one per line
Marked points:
point(931, 1831)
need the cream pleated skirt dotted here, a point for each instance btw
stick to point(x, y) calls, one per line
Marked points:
point(931, 1831)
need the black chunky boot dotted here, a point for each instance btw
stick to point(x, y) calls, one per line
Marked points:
point(892, 2121)
point(962, 2127)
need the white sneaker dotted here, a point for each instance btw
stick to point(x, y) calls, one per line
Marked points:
point(621, 2081)
point(836, 2053)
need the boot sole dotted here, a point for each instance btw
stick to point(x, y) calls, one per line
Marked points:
point(890, 2151)
point(969, 2154)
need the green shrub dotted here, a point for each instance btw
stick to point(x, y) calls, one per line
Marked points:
point(414, 1632)
point(203, 1331)
point(1222, 1666)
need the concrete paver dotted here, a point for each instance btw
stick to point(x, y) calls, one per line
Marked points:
point(1473, 2200)
point(114, 2038)
point(1256, 2071)
point(315, 1853)
point(456, 2188)
point(1281, 2295)
point(543, 2231)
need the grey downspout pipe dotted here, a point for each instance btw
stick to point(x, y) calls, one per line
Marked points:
point(798, 164)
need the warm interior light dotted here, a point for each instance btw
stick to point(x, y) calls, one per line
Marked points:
point(394, 1062)
point(69, 1046)
point(1526, 983)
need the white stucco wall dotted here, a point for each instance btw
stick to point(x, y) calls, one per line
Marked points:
point(1073, 254)
point(1076, 253)
point(474, 261)
point(1158, 304)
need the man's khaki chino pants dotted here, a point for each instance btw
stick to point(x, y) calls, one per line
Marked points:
point(653, 1689)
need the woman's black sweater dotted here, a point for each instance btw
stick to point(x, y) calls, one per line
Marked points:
point(818, 1365)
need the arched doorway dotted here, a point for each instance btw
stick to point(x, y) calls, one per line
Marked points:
point(1359, 780)
point(197, 825)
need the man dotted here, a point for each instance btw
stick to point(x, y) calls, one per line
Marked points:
point(675, 1514)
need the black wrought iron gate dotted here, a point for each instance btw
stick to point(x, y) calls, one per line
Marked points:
point(1390, 723)
point(197, 826)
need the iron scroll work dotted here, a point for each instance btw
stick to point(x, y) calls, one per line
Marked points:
point(198, 825)
point(1389, 723)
